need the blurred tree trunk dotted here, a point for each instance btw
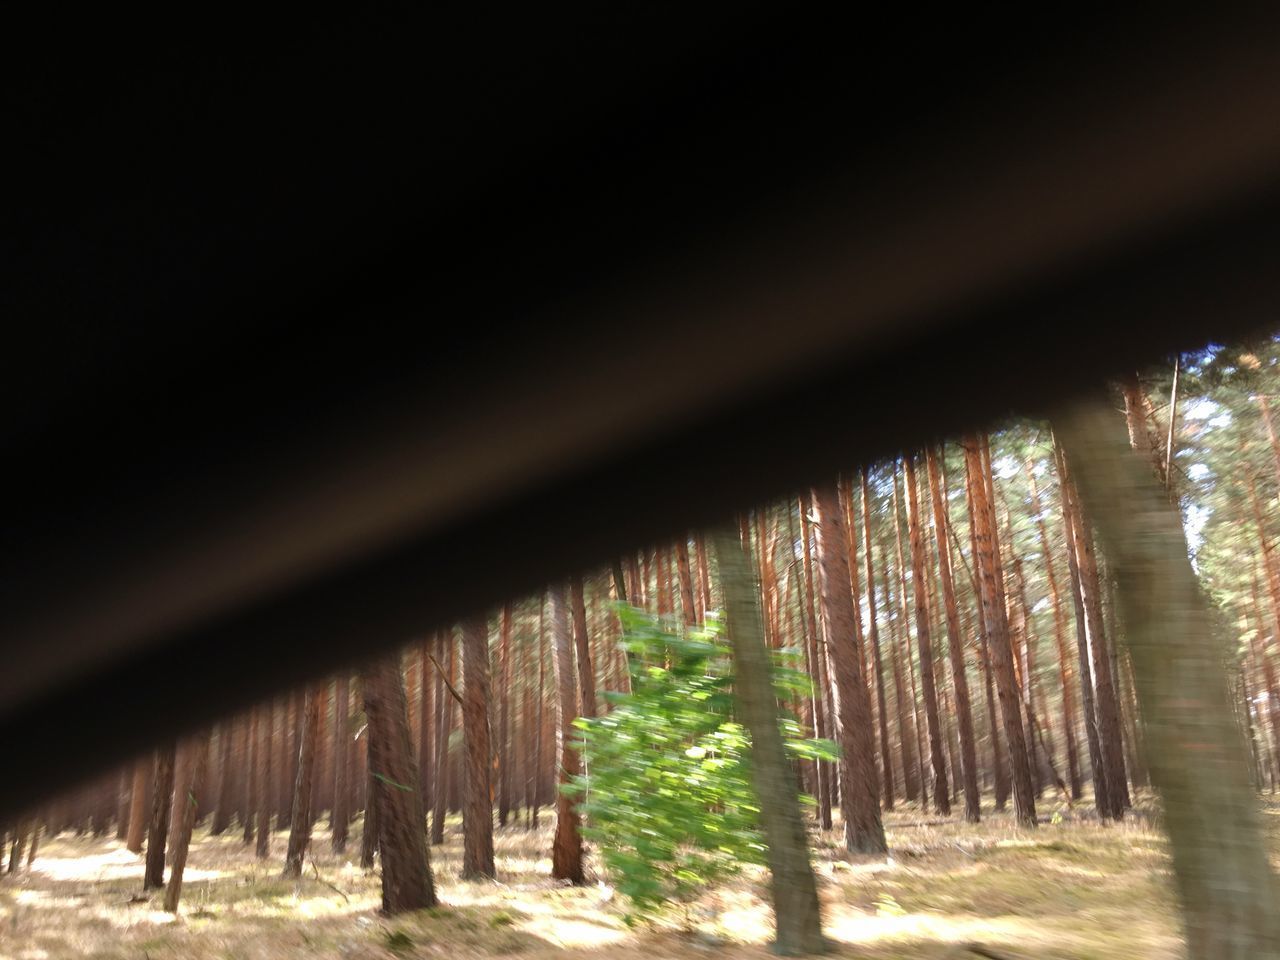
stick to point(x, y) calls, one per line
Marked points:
point(902, 626)
point(566, 852)
point(859, 782)
point(797, 913)
point(688, 603)
point(873, 641)
point(1059, 636)
point(340, 813)
point(1110, 745)
point(955, 641)
point(226, 780)
point(253, 783)
point(506, 760)
point(477, 811)
point(924, 643)
point(444, 726)
point(398, 822)
point(999, 650)
point(196, 750)
point(582, 644)
point(158, 832)
point(1197, 762)
point(300, 828)
point(137, 806)
point(823, 703)
point(265, 779)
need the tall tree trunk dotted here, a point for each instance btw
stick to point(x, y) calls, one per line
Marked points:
point(1106, 704)
point(444, 723)
point(566, 853)
point(955, 640)
point(582, 644)
point(873, 641)
point(197, 750)
point(253, 783)
point(924, 643)
point(265, 774)
point(158, 832)
point(340, 814)
point(906, 729)
point(797, 913)
point(904, 630)
point(227, 765)
point(822, 711)
point(1227, 889)
point(300, 827)
point(688, 604)
point(1059, 636)
point(477, 811)
point(987, 562)
point(506, 760)
point(407, 883)
point(859, 784)
point(137, 805)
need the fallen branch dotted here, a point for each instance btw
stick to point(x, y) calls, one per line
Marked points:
point(327, 883)
point(444, 677)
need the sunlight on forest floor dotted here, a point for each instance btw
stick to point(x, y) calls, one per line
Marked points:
point(1069, 889)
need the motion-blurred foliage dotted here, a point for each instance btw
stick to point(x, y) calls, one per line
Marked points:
point(669, 799)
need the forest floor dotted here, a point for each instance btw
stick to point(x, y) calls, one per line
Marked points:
point(1070, 889)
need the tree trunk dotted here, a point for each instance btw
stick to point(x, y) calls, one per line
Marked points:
point(859, 785)
point(582, 644)
point(153, 878)
point(873, 641)
point(797, 913)
point(1110, 745)
point(444, 725)
point(1225, 883)
point(137, 806)
point(407, 883)
point(823, 704)
point(955, 640)
point(566, 852)
point(197, 750)
point(300, 827)
point(340, 813)
point(506, 758)
point(477, 811)
point(924, 643)
point(1000, 653)
point(265, 778)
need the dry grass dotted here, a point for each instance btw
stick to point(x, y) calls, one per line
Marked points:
point(1071, 889)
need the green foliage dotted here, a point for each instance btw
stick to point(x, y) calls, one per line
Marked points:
point(668, 796)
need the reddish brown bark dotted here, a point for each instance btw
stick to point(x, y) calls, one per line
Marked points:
point(300, 828)
point(859, 786)
point(137, 806)
point(987, 562)
point(924, 643)
point(955, 640)
point(582, 644)
point(196, 751)
point(566, 852)
point(158, 833)
point(477, 810)
point(407, 883)
point(873, 641)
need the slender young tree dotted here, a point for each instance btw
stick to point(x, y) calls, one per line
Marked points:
point(797, 912)
point(137, 831)
point(873, 641)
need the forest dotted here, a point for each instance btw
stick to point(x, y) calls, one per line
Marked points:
point(1010, 695)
